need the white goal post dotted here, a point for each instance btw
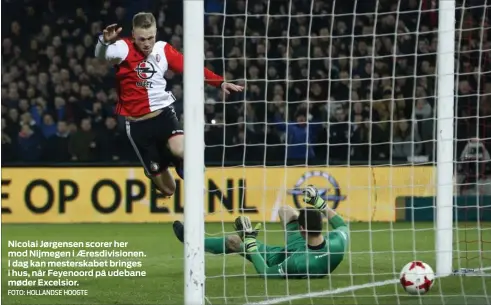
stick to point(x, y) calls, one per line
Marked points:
point(288, 54)
point(194, 262)
point(445, 140)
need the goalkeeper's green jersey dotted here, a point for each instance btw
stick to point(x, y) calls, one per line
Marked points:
point(306, 261)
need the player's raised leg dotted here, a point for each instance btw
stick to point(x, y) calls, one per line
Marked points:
point(176, 146)
point(164, 182)
point(149, 146)
point(171, 150)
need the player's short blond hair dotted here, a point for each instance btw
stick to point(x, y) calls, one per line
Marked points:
point(144, 20)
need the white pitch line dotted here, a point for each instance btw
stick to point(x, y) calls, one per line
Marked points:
point(338, 290)
point(323, 293)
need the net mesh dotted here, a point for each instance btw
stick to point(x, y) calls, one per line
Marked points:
point(342, 94)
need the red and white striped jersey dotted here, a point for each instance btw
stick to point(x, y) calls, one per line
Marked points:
point(140, 79)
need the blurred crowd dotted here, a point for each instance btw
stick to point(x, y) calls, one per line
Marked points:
point(324, 85)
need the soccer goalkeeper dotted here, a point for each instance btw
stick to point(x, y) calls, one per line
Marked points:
point(308, 253)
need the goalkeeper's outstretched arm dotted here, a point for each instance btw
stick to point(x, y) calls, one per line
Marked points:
point(334, 219)
point(312, 197)
point(338, 225)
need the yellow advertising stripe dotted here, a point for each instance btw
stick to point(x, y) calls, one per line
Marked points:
point(65, 195)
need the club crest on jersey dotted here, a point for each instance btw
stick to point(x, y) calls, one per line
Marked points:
point(145, 70)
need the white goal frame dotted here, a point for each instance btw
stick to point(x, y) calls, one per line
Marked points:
point(445, 137)
point(194, 152)
point(194, 148)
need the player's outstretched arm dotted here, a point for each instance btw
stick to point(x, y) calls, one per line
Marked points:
point(109, 48)
point(176, 64)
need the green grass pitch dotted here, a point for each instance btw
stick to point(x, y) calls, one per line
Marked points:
point(370, 258)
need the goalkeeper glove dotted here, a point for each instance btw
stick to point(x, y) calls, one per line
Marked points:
point(243, 227)
point(311, 196)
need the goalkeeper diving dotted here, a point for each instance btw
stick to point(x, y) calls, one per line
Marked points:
point(307, 254)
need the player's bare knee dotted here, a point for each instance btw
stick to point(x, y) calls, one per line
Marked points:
point(167, 192)
point(178, 152)
point(167, 187)
point(232, 243)
point(287, 214)
point(176, 146)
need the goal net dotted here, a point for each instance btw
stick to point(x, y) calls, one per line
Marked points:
point(343, 95)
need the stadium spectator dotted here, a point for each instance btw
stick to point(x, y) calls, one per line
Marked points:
point(56, 147)
point(367, 88)
point(82, 144)
point(299, 134)
point(407, 142)
point(29, 143)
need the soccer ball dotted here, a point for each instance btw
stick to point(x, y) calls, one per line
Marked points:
point(417, 278)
